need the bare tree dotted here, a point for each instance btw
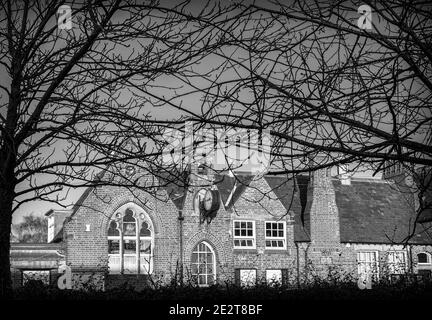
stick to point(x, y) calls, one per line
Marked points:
point(73, 100)
point(331, 89)
point(309, 73)
point(77, 105)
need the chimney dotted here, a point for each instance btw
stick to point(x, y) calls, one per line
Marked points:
point(324, 217)
point(55, 222)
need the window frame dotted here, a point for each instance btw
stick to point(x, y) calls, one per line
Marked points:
point(240, 277)
point(390, 265)
point(253, 237)
point(270, 238)
point(428, 257)
point(209, 246)
point(140, 216)
point(377, 266)
point(274, 283)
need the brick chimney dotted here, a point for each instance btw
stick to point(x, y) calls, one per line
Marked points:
point(55, 222)
point(323, 211)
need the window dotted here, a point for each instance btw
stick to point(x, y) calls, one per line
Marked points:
point(248, 277)
point(423, 258)
point(203, 264)
point(275, 235)
point(130, 241)
point(42, 276)
point(396, 262)
point(244, 234)
point(274, 277)
point(367, 263)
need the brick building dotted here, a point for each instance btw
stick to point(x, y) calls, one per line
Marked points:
point(273, 229)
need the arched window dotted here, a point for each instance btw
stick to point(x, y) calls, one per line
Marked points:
point(130, 241)
point(424, 258)
point(203, 264)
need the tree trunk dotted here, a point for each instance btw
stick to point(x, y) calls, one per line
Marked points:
point(8, 154)
point(6, 202)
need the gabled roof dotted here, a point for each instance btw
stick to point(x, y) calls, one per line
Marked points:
point(59, 236)
point(425, 215)
point(292, 192)
point(376, 211)
point(231, 188)
point(86, 193)
point(370, 210)
point(175, 184)
point(425, 178)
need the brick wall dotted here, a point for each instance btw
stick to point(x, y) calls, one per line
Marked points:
point(259, 203)
point(415, 250)
point(87, 251)
point(325, 254)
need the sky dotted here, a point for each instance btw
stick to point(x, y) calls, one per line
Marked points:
point(39, 208)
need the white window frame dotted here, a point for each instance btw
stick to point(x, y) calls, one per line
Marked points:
point(249, 283)
point(376, 262)
point(253, 237)
point(143, 262)
point(115, 260)
point(391, 264)
point(271, 281)
point(270, 238)
point(214, 273)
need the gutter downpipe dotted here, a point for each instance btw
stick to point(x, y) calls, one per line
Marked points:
point(298, 264)
point(181, 218)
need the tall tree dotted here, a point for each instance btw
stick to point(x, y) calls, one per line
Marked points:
point(74, 94)
point(335, 82)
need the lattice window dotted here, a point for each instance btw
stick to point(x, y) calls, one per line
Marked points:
point(130, 241)
point(244, 234)
point(203, 264)
point(275, 237)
